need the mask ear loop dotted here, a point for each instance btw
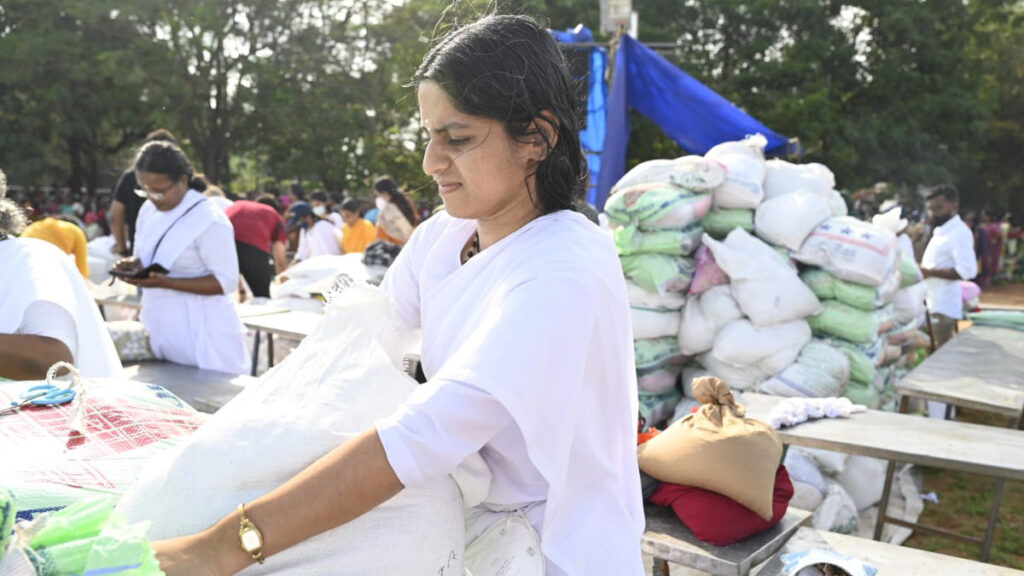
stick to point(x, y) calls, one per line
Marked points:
point(77, 417)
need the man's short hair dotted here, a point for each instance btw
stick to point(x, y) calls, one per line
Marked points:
point(947, 191)
point(318, 196)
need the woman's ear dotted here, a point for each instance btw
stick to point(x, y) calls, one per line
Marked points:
point(544, 132)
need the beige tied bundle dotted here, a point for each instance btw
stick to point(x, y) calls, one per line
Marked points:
point(718, 449)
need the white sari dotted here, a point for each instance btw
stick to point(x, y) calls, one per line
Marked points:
point(528, 352)
point(185, 328)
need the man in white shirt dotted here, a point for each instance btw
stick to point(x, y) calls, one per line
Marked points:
point(317, 237)
point(948, 259)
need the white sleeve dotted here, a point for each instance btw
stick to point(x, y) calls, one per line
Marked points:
point(439, 426)
point(401, 281)
point(302, 252)
point(217, 251)
point(44, 318)
point(965, 261)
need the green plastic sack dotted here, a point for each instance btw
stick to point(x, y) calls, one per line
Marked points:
point(998, 318)
point(718, 223)
point(630, 240)
point(861, 393)
point(656, 408)
point(827, 287)
point(862, 365)
point(659, 273)
point(7, 514)
point(656, 352)
point(846, 322)
point(88, 537)
point(910, 273)
point(657, 206)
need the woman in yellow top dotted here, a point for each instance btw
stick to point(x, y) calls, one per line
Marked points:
point(357, 233)
point(64, 235)
point(397, 218)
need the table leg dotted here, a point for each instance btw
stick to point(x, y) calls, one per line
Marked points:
point(660, 567)
point(270, 350)
point(883, 506)
point(993, 520)
point(255, 353)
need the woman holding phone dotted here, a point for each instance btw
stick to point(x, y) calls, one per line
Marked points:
point(186, 262)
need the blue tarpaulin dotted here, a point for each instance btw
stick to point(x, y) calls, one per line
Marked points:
point(689, 112)
point(593, 137)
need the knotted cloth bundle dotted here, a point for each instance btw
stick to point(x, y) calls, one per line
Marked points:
point(719, 449)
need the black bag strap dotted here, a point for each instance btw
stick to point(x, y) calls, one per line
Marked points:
point(152, 259)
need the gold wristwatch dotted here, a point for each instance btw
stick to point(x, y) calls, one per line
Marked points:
point(249, 536)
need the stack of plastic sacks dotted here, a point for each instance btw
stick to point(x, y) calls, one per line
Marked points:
point(655, 211)
point(85, 538)
point(745, 316)
point(855, 271)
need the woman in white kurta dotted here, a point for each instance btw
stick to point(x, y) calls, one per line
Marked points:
point(187, 313)
point(527, 342)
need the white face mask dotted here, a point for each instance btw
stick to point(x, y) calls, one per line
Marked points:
point(319, 210)
point(380, 203)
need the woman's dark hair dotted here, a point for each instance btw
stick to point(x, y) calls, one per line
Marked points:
point(269, 200)
point(162, 157)
point(353, 206)
point(318, 196)
point(510, 69)
point(388, 185)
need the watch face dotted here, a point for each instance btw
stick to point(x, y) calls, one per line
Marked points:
point(251, 540)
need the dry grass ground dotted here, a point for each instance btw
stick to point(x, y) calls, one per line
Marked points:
point(965, 500)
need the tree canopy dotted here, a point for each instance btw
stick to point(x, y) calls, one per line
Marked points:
point(317, 91)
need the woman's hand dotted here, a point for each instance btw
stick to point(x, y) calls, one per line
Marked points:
point(154, 280)
point(195, 555)
point(130, 264)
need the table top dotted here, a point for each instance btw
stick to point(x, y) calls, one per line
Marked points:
point(204, 390)
point(972, 448)
point(889, 559)
point(981, 368)
point(293, 323)
point(668, 538)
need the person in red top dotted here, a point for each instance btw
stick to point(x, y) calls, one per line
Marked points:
point(259, 233)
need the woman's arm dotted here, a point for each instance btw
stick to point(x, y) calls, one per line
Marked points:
point(28, 357)
point(343, 485)
point(206, 285)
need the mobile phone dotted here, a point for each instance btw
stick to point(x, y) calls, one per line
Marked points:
point(141, 273)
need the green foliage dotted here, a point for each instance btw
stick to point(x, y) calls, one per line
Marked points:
point(317, 91)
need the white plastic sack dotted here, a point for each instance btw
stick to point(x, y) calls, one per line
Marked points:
point(838, 512)
point(908, 304)
point(691, 373)
point(332, 387)
point(771, 349)
point(829, 462)
point(649, 323)
point(704, 316)
point(850, 249)
point(788, 220)
point(642, 298)
point(783, 178)
point(837, 204)
point(767, 290)
point(863, 479)
point(659, 381)
point(307, 275)
point(744, 162)
point(737, 377)
point(809, 485)
point(691, 172)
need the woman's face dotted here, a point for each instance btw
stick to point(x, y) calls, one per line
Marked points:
point(480, 171)
point(163, 192)
point(349, 217)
